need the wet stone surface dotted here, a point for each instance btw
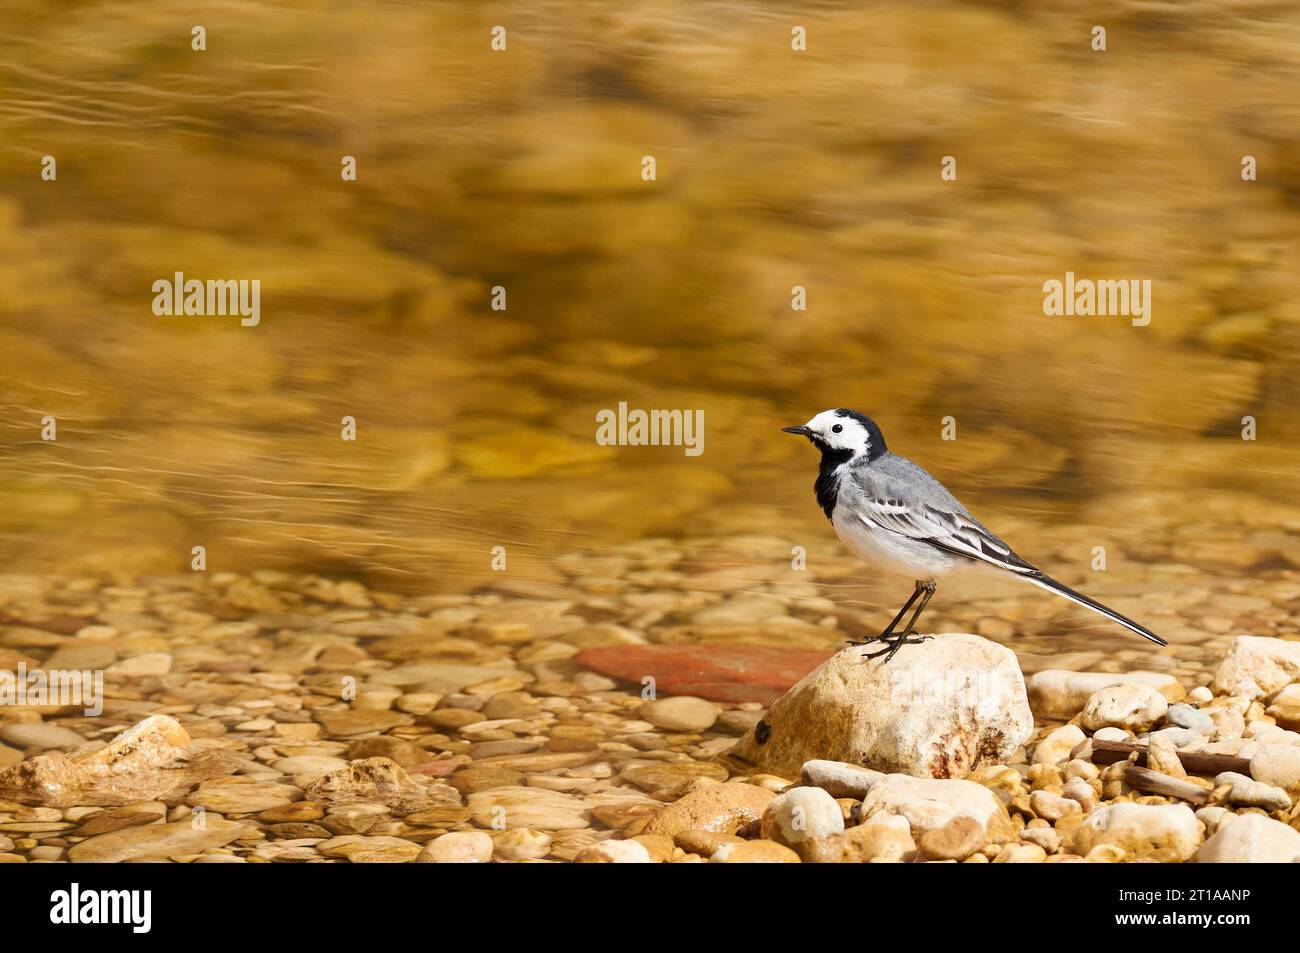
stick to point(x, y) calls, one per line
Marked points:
point(280, 718)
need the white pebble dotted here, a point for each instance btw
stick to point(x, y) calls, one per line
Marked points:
point(1247, 792)
point(458, 847)
point(801, 814)
point(1058, 745)
point(1278, 765)
point(1131, 706)
point(614, 852)
point(1185, 716)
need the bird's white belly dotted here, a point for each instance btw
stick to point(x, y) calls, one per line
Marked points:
point(892, 552)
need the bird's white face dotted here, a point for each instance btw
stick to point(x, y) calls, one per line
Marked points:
point(839, 432)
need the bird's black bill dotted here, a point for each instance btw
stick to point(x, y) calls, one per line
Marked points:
point(801, 431)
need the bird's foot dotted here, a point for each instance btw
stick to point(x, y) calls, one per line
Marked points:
point(894, 643)
point(887, 637)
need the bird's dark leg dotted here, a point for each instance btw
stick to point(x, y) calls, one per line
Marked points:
point(930, 585)
point(896, 642)
point(889, 629)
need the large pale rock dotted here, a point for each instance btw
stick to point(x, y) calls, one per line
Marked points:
point(930, 803)
point(937, 710)
point(1166, 831)
point(1059, 694)
point(1257, 666)
point(1251, 839)
point(147, 762)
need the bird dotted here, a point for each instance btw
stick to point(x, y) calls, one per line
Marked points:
point(892, 513)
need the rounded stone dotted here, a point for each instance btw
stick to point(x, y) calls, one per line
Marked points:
point(1061, 694)
point(41, 735)
point(1058, 744)
point(802, 814)
point(1251, 839)
point(614, 852)
point(754, 852)
point(1191, 718)
point(886, 838)
point(1052, 807)
point(1258, 666)
point(1130, 706)
point(529, 807)
point(1140, 830)
point(680, 713)
point(667, 774)
point(1278, 765)
point(1021, 854)
point(458, 847)
point(716, 808)
point(704, 843)
point(521, 844)
point(956, 840)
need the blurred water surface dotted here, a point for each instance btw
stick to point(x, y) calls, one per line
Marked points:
point(522, 169)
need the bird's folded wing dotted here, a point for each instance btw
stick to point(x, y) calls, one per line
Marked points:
point(946, 529)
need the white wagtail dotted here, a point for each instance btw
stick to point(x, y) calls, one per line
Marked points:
point(892, 513)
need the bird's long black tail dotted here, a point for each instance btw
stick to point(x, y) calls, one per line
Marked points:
point(1051, 585)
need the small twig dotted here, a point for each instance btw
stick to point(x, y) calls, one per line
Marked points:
point(1153, 782)
point(1194, 762)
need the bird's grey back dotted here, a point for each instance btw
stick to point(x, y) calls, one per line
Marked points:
point(897, 478)
point(891, 477)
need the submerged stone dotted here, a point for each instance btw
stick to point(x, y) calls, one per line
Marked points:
point(724, 673)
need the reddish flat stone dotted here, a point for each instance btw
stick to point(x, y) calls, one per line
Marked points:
point(721, 673)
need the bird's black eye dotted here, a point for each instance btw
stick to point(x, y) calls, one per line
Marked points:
point(837, 428)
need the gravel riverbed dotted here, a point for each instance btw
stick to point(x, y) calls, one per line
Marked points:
point(273, 717)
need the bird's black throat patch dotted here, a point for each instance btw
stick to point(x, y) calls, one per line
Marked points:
point(828, 484)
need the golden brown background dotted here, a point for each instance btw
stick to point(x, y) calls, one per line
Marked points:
point(522, 169)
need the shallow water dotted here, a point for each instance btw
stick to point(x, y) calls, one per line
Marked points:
point(522, 169)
